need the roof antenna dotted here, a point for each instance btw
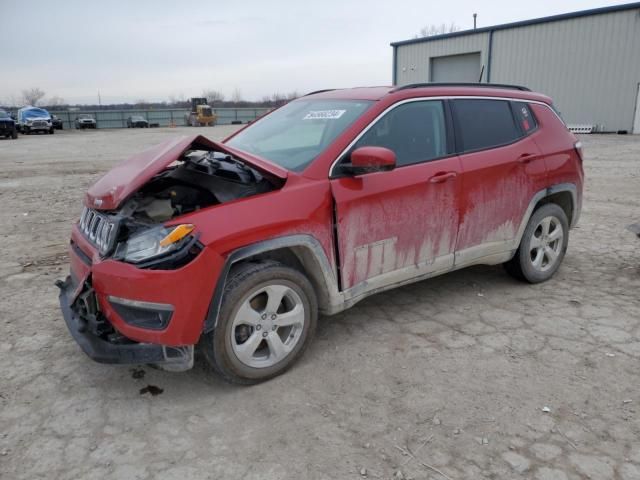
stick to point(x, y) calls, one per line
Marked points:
point(481, 72)
point(475, 15)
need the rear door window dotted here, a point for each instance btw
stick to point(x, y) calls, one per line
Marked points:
point(524, 116)
point(484, 124)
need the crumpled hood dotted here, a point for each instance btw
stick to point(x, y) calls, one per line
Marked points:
point(108, 192)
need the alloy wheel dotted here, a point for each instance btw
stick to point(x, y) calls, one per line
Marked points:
point(267, 326)
point(546, 244)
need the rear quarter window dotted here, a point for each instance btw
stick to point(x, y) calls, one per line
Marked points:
point(484, 124)
point(525, 117)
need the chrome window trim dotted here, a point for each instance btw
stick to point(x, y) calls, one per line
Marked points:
point(422, 99)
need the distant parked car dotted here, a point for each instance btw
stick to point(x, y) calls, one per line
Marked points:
point(7, 125)
point(84, 120)
point(57, 122)
point(137, 121)
point(34, 119)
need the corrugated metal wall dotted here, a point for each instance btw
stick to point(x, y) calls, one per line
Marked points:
point(413, 60)
point(590, 65)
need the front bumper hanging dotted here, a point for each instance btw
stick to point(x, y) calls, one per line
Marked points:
point(97, 338)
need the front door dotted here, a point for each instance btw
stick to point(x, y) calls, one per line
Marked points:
point(397, 225)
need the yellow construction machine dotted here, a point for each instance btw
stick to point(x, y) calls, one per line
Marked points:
point(201, 114)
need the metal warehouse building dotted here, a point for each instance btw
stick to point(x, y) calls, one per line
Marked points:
point(587, 61)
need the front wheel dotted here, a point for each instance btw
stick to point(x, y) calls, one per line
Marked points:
point(543, 245)
point(268, 317)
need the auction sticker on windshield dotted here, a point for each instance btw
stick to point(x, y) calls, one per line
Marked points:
point(324, 114)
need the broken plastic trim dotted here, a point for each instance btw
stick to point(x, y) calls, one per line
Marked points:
point(148, 315)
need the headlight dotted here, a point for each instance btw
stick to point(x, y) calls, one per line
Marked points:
point(155, 242)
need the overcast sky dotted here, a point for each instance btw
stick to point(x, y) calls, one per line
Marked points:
point(130, 50)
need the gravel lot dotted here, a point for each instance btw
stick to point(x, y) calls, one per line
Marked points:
point(444, 379)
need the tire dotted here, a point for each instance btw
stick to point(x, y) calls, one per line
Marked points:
point(245, 290)
point(52, 131)
point(14, 134)
point(542, 247)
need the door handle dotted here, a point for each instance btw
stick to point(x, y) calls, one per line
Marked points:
point(442, 177)
point(527, 158)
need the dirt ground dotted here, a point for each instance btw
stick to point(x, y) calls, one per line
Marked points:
point(444, 379)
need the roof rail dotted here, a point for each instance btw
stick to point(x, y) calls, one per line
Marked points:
point(319, 91)
point(460, 84)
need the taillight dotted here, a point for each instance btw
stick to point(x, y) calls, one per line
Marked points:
point(578, 147)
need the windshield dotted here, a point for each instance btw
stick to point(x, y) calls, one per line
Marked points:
point(4, 114)
point(137, 119)
point(294, 135)
point(84, 115)
point(35, 113)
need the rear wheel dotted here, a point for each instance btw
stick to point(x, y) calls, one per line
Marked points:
point(267, 318)
point(14, 134)
point(543, 245)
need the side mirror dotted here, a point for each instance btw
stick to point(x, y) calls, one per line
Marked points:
point(371, 159)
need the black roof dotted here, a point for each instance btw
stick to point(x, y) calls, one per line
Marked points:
point(461, 84)
point(524, 23)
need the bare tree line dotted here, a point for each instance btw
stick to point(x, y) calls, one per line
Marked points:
point(34, 97)
point(37, 97)
point(433, 30)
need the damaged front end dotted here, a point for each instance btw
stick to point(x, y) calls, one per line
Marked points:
point(97, 337)
point(129, 248)
point(135, 231)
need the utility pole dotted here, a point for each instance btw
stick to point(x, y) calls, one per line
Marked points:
point(475, 15)
point(99, 100)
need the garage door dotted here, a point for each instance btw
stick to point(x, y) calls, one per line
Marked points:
point(456, 68)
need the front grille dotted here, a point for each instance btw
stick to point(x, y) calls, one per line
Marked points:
point(98, 229)
point(39, 123)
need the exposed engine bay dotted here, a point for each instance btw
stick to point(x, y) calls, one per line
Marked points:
point(200, 179)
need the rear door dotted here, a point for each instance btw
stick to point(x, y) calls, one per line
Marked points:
point(502, 169)
point(400, 224)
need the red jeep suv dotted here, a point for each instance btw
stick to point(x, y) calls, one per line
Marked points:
point(237, 246)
